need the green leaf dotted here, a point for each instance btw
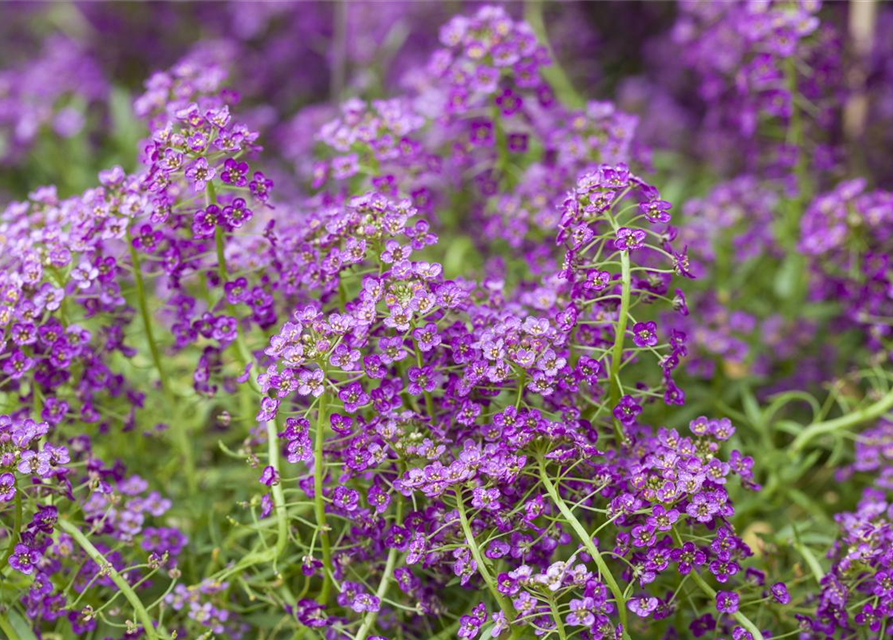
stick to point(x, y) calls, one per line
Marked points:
point(20, 626)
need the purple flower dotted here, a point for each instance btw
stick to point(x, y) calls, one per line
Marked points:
point(870, 616)
point(629, 239)
point(487, 499)
point(687, 557)
point(421, 379)
point(642, 607)
point(702, 507)
point(662, 519)
point(7, 486)
point(34, 463)
point(627, 410)
point(353, 396)
point(427, 337)
point(199, 172)
point(311, 382)
point(233, 172)
point(269, 476)
point(780, 593)
point(727, 602)
point(260, 186)
point(656, 210)
point(147, 239)
point(24, 559)
point(204, 221)
point(645, 334)
point(883, 583)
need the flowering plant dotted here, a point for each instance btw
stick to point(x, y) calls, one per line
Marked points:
point(465, 353)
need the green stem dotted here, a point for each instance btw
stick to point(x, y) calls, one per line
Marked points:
point(588, 544)
point(742, 619)
point(553, 73)
point(620, 338)
point(16, 525)
point(243, 354)
point(505, 606)
point(7, 628)
point(179, 430)
point(556, 616)
point(144, 618)
point(280, 510)
point(319, 505)
point(429, 401)
point(383, 584)
point(866, 414)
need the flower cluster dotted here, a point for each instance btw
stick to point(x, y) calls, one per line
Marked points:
point(847, 234)
point(52, 90)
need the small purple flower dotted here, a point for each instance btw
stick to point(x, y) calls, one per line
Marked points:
point(487, 499)
point(204, 221)
point(269, 476)
point(311, 382)
point(628, 239)
point(237, 213)
point(147, 239)
point(627, 410)
point(722, 429)
point(7, 486)
point(870, 616)
point(427, 337)
point(421, 379)
point(260, 186)
point(662, 519)
point(702, 507)
point(645, 334)
point(353, 396)
point(780, 593)
point(687, 557)
point(199, 172)
point(481, 133)
point(233, 172)
point(24, 559)
point(35, 463)
point(727, 602)
point(656, 210)
point(346, 498)
point(642, 607)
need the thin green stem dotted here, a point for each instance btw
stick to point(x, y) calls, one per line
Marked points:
point(16, 526)
point(384, 583)
point(319, 505)
point(620, 337)
point(505, 606)
point(588, 544)
point(7, 628)
point(429, 400)
point(742, 619)
point(866, 414)
point(178, 429)
point(556, 616)
point(708, 591)
point(243, 354)
point(279, 507)
point(141, 613)
point(554, 73)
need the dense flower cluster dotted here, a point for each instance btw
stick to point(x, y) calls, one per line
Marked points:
point(848, 234)
point(52, 90)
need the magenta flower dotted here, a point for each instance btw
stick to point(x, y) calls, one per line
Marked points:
point(629, 239)
point(200, 173)
point(727, 602)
